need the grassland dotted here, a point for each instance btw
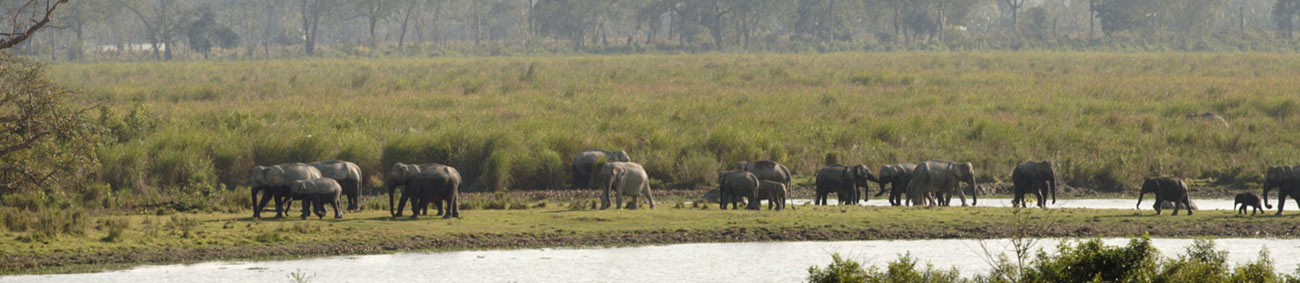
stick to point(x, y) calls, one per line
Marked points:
point(1108, 119)
point(143, 239)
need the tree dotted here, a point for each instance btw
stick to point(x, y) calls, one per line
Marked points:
point(25, 19)
point(312, 11)
point(374, 12)
point(206, 32)
point(411, 7)
point(44, 142)
point(161, 26)
point(1285, 12)
point(1015, 9)
point(82, 13)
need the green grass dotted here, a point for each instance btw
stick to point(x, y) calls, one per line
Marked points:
point(213, 236)
point(1108, 119)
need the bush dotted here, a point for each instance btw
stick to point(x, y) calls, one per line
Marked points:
point(904, 269)
point(1089, 259)
point(115, 227)
point(840, 270)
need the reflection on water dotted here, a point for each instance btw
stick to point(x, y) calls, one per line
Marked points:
point(1203, 204)
point(715, 262)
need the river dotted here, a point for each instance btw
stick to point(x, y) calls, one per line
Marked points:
point(707, 262)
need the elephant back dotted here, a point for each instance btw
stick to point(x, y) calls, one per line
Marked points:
point(318, 186)
point(288, 173)
point(338, 169)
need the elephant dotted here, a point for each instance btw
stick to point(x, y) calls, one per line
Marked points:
point(424, 184)
point(587, 161)
point(1166, 189)
point(1287, 181)
point(1248, 199)
point(624, 179)
point(274, 181)
point(897, 176)
point(774, 193)
point(941, 177)
point(767, 170)
point(348, 175)
point(1034, 177)
point(844, 182)
point(735, 184)
point(316, 193)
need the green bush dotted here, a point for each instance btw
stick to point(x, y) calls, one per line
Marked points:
point(1089, 259)
point(115, 228)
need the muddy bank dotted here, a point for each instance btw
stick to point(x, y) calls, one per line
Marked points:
point(69, 261)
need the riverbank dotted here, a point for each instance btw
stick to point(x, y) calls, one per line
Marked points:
point(205, 237)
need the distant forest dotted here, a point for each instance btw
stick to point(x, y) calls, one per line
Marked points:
point(232, 29)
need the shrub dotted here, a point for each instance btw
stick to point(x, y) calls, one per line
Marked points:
point(1087, 260)
point(183, 225)
point(840, 270)
point(115, 227)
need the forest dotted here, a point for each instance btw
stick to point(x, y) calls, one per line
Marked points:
point(115, 30)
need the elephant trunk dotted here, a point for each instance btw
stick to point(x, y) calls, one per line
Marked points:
point(1052, 182)
point(254, 189)
point(1140, 194)
point(392, 188)
point(1267, 185)
point(974, 190)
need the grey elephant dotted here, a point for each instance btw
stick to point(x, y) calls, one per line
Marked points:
point(774, 193)
point(1034, 177)
point(274, 181)
point(1166, 189)
point(1248, 200)
point(315, 194)
point(1287, 181)
point(348, 175)
point(844, 181)
point(422, 185)
point(586, 162)
point(735, 185)
point(768, 170)
point(897, 176)
point(623, 179)
point(940, 178)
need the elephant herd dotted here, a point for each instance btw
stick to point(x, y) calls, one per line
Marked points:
point(928, 183)
point(326, 182)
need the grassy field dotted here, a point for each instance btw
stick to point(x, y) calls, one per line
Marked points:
point(142, 239)
point(1108, 119)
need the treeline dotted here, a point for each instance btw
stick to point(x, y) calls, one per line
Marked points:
point(194, 29)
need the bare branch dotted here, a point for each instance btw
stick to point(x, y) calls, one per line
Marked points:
point(14, 40)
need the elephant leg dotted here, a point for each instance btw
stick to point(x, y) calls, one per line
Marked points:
point(279, 206)
point(354, 197)
point(1157, 206)
point(417, 203)
point(335, 205)
point(634, 202)
point(453, 207)
point(257, 208)
point(306, 210)
point(1281, 201)
point(1187, 203)
point(401, 204)
point(618, 201)
point(1177, 205)
point(650, 197)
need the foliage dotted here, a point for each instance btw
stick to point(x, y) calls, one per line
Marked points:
point(47, 141)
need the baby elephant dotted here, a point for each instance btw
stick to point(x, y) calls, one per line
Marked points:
point(773, 192)
point(315, 194)
point(1247, 199)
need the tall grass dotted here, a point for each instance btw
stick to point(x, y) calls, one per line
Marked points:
point(514, 123)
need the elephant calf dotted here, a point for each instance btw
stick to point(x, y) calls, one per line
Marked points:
point(1166, 189)
point(315, 194)
point(1248, 199)
point(735, 186)
point(774, 193)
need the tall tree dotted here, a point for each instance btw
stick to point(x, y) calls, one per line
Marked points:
point(1285, 13)
point(1015, 6)
point(312, 11)
point(374, 12)
point(162, 26)
point(411, 7)
point(205, 33)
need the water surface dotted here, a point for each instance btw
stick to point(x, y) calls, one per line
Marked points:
point(709, 262)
